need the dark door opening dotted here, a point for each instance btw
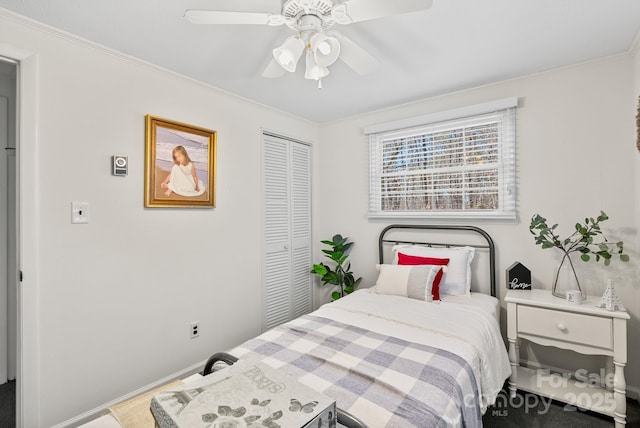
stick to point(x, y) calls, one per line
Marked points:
point(8, 242)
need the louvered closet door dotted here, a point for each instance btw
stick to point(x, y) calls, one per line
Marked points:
point(300, 180)
point(286, 230)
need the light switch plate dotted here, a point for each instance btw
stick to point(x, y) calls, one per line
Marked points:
point(79, 212)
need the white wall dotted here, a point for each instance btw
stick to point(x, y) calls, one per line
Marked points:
point(575, 157)
point(116, 296)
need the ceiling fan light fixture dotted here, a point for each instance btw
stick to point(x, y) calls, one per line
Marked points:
point(326, 49)
point(314, 71)
point(340, 14)
point(305, 4)
point(276, 20)
point(311, 19)
point(289, 53)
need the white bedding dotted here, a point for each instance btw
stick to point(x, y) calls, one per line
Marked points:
point(479, 300)
point(467, 329)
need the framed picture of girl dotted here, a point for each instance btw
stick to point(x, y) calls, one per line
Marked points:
point(180, 165)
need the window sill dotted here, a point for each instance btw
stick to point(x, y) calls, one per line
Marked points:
point(444, 216)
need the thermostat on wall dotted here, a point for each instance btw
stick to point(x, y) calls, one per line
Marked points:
point(119, 165)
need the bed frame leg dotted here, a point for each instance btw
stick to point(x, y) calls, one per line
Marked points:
point(347, 420)
point(220, 356)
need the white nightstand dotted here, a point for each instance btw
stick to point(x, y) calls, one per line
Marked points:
point(538, 316)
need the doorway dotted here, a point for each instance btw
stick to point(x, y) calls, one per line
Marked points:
point(8, 241)
point(27, 220)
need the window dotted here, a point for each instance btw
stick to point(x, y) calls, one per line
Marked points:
point(462, 165)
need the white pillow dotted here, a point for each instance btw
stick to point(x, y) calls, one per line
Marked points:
point(457, 278)
point(414, 282)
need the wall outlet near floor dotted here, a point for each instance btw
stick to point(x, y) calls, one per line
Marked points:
point(194, 329)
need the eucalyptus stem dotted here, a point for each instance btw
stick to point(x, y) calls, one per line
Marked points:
point(559, 268)
point(582, 239)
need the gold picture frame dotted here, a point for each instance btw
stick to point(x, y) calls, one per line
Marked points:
point(180, 165)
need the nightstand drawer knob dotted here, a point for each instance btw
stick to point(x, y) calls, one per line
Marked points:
point(563, 328)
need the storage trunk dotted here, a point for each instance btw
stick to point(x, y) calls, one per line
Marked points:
point(245, 395)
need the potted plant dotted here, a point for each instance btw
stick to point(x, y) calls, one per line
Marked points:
point(588, 240)
point(340, 275)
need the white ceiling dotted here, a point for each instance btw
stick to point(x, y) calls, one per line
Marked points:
point(456, 44)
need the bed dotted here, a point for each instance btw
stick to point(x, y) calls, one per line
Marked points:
point(393, 361)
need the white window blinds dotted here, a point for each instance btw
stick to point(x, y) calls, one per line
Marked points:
point(457, 167)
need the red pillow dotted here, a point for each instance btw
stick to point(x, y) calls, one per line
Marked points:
point(405, 259)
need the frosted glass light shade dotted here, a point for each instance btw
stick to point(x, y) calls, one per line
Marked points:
point(314, 71)
point(289, 53)
point(326, 49)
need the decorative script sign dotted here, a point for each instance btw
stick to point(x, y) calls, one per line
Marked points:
point(518, 277)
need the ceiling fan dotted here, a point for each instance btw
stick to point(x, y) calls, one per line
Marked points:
point(312, 21)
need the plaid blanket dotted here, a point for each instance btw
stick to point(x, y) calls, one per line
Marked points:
point(385, 381)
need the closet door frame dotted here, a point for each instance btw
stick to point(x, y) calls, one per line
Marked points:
point(273, 134)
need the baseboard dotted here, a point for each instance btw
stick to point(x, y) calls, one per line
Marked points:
point(101, 410)
point(633, 392)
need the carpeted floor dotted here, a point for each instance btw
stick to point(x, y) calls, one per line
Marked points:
point(530, 410)
point(8, 405)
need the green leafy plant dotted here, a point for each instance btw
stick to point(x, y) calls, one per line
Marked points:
point(340, 275)
point(587, 239)
point(583, 240)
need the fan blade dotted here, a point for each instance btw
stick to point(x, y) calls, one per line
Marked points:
point(365, 10)
point(354, 56)
point(273, 70)
point(231, 18)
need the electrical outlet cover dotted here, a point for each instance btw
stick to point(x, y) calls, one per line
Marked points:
point(194, 329)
